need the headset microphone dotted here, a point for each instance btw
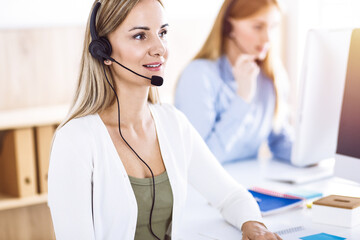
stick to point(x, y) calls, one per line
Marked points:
point(155, 80)
point(100, 48)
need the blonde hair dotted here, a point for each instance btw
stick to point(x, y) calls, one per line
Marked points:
point(93, 93)
point(214, 46)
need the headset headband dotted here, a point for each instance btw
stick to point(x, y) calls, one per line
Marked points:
point(93, 32)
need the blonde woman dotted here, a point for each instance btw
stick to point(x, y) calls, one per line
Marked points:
point(232, 91)
point(120, 164)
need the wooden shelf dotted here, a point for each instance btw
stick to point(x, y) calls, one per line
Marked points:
point(31, 117)
point(9, 202)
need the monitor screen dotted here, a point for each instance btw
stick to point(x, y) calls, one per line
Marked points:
point(347, 163)
point(349, 127)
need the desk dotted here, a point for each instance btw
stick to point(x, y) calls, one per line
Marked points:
point(201, 221)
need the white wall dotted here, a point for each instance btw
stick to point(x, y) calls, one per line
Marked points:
point(43, 13)
point(302, 15)
point(20, 14)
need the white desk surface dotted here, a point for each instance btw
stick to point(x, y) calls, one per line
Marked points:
point(201, 221)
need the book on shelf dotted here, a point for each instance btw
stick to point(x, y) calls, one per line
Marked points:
point(43, 135)
point(271, 202)
point(17, 163)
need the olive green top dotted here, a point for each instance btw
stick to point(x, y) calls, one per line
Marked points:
point(162, 213)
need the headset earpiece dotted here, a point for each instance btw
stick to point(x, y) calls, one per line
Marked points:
point(227, 28)
point(100, 49)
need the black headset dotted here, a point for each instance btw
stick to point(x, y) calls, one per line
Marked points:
point(100, 48)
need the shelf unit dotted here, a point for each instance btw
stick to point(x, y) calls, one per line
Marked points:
point(25, 214)
point(32, 117)
point(9, 202)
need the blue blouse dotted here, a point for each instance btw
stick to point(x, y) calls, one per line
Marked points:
point(232, 128)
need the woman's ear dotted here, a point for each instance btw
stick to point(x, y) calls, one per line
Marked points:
point(107, 62)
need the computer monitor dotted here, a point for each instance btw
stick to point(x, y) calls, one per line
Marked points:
point(347, 164)
point(321, 89)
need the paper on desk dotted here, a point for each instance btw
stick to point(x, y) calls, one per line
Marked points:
point(291, 232)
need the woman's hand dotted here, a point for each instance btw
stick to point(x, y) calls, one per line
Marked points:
point(245, 73)
point(252, 230)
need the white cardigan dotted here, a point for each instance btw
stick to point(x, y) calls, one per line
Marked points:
point(90, 195)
